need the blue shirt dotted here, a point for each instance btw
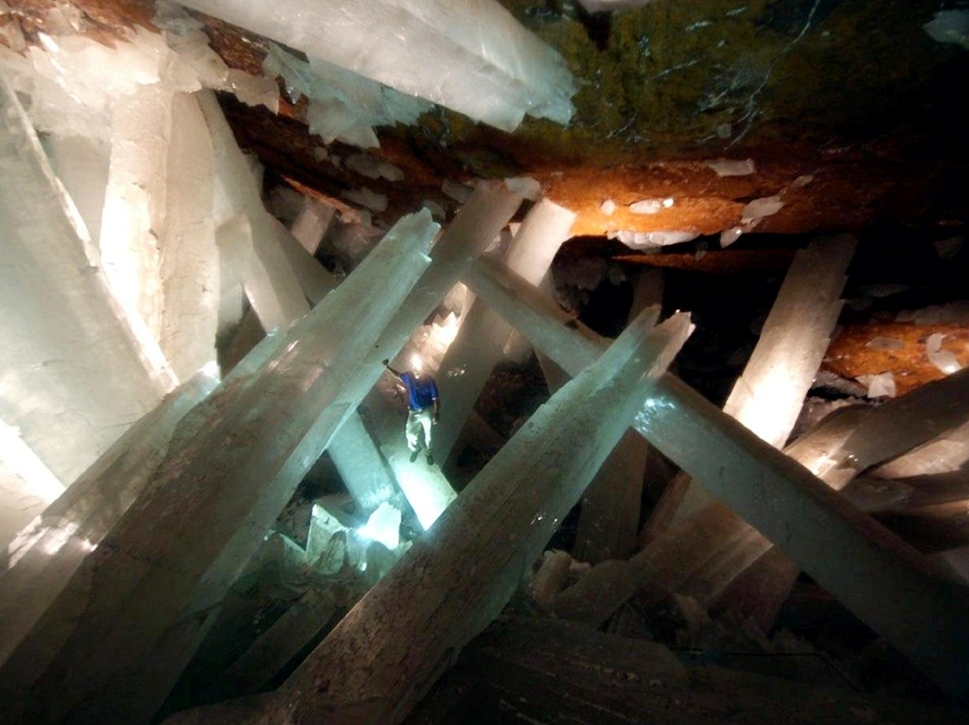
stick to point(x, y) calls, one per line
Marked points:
point(420, 393)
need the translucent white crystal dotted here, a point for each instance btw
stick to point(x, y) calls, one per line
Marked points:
point(758, 208)
point(372, 167)
point(654, 240)
point(488, 66)
point(525, 186)
point(482, 339)
point(457, 191)
point(885, 343)
point(252, 454)
point(189, 257)
point(769, 395)
point(647, 206)
point(881, 385)
point(436, 209)
point(75, 373)
point(49, 550)
point(732, 167)
point(81, 163)
point(363, 470)
point(72, 81)
point(608, 207)
point(944, 360)
point(365, 197)
point(950, 26)
point(311, 224)
point(731, 235)
point(26, 487)
point(270, 282)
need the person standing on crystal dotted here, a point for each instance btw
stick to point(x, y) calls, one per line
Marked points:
point(423, 409)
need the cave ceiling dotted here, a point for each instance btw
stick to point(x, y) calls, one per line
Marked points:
point(853, 116)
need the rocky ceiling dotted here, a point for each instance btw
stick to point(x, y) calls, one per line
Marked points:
point(851, 114)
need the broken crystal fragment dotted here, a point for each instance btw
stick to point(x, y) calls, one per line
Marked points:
point(525, 187)
point(383, 526)
point(730, 167)
point(881, 385)
point(944, 360)
point(372, 167)
point(731, 235)
point(759, 208)
point(647, 206)
point(608, 207)
point(885, 343)
point(365, 197)
point(652, 240)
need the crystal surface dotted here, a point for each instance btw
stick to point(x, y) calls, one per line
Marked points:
point(75, 373)
point(48, 551)
point(489, 67)
point(483, 337)
point(270, 282)
point(509, 511)
point(258, 447)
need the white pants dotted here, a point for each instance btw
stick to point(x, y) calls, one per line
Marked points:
point(417, 419)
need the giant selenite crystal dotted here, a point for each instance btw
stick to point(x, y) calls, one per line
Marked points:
point(111, 645)
point(469, 55)
point(243, 223)
point(914, 606)
point(45, 554)
point(484, 337)
point(382, 658)
point(74, 373)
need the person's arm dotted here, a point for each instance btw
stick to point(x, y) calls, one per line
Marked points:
point(386, 364)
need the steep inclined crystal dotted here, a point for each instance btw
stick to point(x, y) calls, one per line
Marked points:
point(364, 471)
point(915, 608)
point(270, 282)
point(189, 263)
point(484, 336)
point(251, 457)
point(26, 488)
point(489, 66)
point(509, 511)
point(46, 553)
point(75, 374)
point(769, 394)
point(608, 524)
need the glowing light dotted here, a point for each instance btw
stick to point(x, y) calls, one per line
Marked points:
point(49, 539)
point(212, 370)
point(383, 526)
point(416, 362)
point(446, 333)
point(426, 489)
point(18, 458)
